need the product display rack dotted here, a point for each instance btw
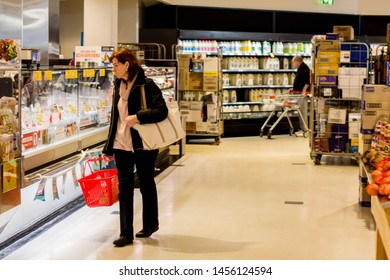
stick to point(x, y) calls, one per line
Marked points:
point(340, 69)
point(249, 99)
point(200, 92)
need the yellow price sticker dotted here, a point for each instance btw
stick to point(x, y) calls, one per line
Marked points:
point(48, 75)
point(102, 72)
point(37, 76)
point(71, 74)
point(88, 73)
point(86, 108)
point(72, 109)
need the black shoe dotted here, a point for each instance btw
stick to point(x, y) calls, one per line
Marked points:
point(122, 241)
point(145, 232)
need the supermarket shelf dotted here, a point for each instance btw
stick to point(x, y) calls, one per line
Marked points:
point(258, 86)
point(48, 153)
point(259, 70)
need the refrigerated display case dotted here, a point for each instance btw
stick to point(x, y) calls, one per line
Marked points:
point(63, 117)
point(63, 111)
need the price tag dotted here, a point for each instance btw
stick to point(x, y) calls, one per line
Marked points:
point(86, 107)
point(48, 75)
point(102, 72)
point(37, 76)
point(71, 74)
point(88, 73)
point(72, 109)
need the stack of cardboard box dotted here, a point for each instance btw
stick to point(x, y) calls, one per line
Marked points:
point(199, 75)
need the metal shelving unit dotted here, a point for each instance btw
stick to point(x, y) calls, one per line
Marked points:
point(200, 93)
point(339, 72)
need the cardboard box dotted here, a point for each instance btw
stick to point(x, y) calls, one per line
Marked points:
point(201, 127)
point(191, 115)
point(326, 69)
point(329, 45)
point(321, 144)
point(346, 33)
point(334, 55)
point(184, 105)
point(327, 60)
point(354, 125)
point(184, 61)
point(337, 144)
point(375, 89)
point(339, 138)
point(196, 105)
point(327, 81)
point(370, 118)
point(376, 97)
point(327, 92)
point(337, 116)
point(189, 80)
point(190, 127)
point(364, 142)
point(210, 83)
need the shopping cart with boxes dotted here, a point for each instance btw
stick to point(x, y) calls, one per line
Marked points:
point(286, 103)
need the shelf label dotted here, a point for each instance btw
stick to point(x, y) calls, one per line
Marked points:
point(102, 72)
point(71, 74)
point(88, 73)
point(37, 76)
point(48, 75)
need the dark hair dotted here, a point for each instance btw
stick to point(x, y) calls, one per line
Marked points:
point(123, 55)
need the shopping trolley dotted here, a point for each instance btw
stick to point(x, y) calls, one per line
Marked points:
point(285, 103)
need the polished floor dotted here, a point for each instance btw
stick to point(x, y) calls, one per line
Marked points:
point(249, 198)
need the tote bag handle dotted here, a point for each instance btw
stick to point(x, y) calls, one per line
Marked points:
point(143, 98)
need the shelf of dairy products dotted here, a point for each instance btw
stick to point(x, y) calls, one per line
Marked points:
point(250, 63)
point(258, 80)
point(247, 47)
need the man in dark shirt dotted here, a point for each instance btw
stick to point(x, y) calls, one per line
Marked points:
point(301, 84)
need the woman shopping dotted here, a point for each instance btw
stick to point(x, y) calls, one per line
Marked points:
point(125, 144)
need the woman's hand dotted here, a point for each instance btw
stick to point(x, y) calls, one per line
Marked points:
point(107, 158)
point(131, 120)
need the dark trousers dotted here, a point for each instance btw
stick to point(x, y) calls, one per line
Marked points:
point(145, 164)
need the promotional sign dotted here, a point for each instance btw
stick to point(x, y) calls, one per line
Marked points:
point(88, 56)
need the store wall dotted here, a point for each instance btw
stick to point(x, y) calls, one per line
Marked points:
point(128, 20)
point(100, 22)
point(340, 6)
point(71, 25)
point(374, 7)
point(361, 7)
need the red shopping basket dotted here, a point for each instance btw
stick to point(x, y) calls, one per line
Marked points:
point(100, 188)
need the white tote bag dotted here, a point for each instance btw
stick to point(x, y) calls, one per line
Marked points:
point(164, 133)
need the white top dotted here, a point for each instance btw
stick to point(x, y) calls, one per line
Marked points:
point(123, 137)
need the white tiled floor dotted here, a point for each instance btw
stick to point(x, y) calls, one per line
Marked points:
point(248, 198)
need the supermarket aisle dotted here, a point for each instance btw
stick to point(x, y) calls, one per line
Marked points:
point(248, 198)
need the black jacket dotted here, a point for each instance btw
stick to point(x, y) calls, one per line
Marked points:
point(156, 112)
